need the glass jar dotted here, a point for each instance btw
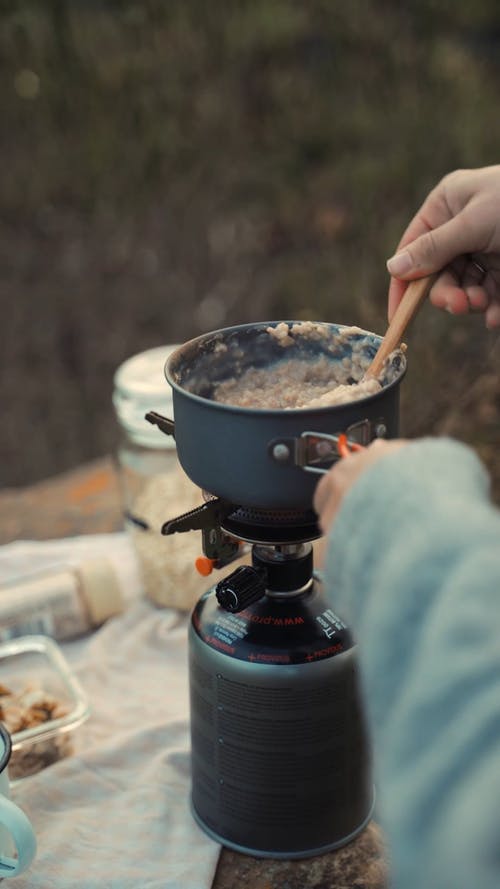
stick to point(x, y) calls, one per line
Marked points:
point(154, 486)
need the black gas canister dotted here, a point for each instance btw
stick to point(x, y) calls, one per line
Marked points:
point(280, 759)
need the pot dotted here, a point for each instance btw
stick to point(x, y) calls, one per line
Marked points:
point(268, 458)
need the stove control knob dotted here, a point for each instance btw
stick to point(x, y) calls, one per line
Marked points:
point(240, 589)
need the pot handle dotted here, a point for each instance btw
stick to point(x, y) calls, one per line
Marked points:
point(164, 424)
point(318, 451)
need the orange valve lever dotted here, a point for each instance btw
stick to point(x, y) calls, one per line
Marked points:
point(346, 447)
point(204, 565)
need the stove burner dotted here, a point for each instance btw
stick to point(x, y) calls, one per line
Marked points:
point(273, 526)
point(248, 523)
point(224, 525)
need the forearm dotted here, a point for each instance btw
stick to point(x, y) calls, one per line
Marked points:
point(414, 565)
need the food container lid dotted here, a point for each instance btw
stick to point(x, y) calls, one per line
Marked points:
point(140, 386)
point(38, 660)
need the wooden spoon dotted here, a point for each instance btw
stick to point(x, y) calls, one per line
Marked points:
point(413, 297)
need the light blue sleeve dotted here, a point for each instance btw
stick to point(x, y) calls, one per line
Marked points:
point(413, 565)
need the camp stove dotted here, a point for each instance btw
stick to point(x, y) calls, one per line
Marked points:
point(280, 757)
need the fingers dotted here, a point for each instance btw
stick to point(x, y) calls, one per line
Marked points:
point(333, 486)
point(492, 316)
point(473, 280)
point(421, 251)
point(462, 288)
point(433, 212)
point(478, 298)
point(432, 250)
point(327, 500)
point(322, 493)
point(446, 294)
point(449, 295)
point(459, 218)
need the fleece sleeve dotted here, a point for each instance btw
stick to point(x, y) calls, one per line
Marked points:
point(413, 566)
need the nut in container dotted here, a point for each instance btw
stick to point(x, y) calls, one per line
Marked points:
point(41, 703)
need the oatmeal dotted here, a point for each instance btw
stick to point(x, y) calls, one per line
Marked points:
point(334, 377)
point(286, 335)
point(286, 365)
point(294, 383)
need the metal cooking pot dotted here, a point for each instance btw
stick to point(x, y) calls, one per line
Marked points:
point(268, 458)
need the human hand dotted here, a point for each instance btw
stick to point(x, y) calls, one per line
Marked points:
point(457, 230)
point(339, 480)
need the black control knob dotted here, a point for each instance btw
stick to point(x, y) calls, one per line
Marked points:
point(240, 589)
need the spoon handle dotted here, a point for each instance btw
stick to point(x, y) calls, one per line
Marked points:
point(413, 297)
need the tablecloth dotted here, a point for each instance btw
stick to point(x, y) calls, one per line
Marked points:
point(115, 815)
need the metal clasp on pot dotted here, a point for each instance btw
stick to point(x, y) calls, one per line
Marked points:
point(317, 451)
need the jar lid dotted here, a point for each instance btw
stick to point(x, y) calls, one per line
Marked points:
point(100, 589)
point(140, 386)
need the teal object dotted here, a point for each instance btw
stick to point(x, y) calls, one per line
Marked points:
point(17, 836)
point(413, 565)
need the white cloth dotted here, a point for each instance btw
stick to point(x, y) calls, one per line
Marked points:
point(115, 815)
point(26, 558)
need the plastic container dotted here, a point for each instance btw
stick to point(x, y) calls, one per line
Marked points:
point(64, 602)
point(154, 486)
point(35, 670)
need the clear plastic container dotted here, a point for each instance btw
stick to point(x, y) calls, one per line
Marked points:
point(154, 487)
point(63, 602)
point(46, 704)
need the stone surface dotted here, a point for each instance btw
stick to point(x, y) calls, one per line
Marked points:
point(359, 865)
point(83, 501)
point(86, 501)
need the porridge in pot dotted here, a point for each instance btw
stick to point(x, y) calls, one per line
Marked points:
point(333, 376)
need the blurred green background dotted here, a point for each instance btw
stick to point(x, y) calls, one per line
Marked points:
point(172, 166)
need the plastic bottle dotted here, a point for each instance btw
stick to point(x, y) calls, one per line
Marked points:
point(63, 603)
